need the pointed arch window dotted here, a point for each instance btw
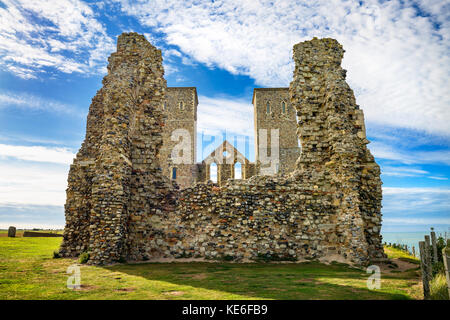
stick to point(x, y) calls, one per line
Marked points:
point(268, 107)
point(213, 172)
point(181, 104)
point(283, 107)
point(238, 170)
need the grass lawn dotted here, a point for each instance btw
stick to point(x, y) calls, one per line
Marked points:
point(28, 271)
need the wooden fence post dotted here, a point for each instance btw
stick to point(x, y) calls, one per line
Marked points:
point(424, 267)
point(428, 256)
point(433, 243)
point(446, 258)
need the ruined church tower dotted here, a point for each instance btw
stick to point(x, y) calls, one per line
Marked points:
point(180, 109)
point(273, 111)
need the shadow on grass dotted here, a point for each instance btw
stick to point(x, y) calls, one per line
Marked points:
point(262, 281)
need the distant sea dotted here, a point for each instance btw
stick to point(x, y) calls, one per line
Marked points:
point(409, 238)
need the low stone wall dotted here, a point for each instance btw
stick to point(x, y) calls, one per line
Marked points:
point(260, 218)
point(41, 234)
point(263, 218)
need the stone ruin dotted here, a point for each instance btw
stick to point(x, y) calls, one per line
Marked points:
point(121, 207)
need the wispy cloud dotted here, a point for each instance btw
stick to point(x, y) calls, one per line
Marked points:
point(414, 191)
point(416, 203)
point(23, 184)
point(396, 51)
point(62, 35)
point(220, 114)
point(23, 100)
point(383, 150)
point(417, 221)
point(31, 216)
point(402, 171)
point(438, 178)
point(37, 153)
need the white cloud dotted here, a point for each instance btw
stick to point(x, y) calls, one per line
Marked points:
point(410, 172)
point(27, 101)
point(31, 216)
point(416, 205)
point(217, 115)
point(33, 176)
point(402, 171)
point(386, 151)
point(37, 153)
point(417, 221)
point(437, 178)
point(414, 191)
point(32, 184)
point(398, 60)
point(63, 35)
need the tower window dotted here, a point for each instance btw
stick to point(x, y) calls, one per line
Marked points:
point(283, 107)
point(174, 173)
point(181, 105)
point(268, 107)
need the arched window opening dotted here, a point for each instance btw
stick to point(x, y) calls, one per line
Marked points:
point(283, 107)
point(181, 105)
point(268, 107)
point(213, 172)
point(237, 170)
point(174, 173)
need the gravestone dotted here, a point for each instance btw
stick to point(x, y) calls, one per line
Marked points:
point(12, 232)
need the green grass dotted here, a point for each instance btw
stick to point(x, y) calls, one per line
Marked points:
point(394, 253)
point(28, 271)
point(439, 288)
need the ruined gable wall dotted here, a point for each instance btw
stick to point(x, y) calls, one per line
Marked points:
point(79, 191)
point(123, 184)
point(334, 153)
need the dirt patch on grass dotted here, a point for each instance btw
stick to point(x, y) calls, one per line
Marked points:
point(276, 289)
point(173, 293)
point(125, 289)
point(86, 287)
point(195, 276)
point(397, 265)
point(305, 280)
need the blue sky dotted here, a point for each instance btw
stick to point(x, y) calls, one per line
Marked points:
point(53, 56)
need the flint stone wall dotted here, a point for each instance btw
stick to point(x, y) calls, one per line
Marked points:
point(120, 206)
